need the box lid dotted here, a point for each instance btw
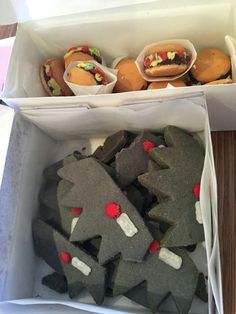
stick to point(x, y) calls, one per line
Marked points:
point(13, 11)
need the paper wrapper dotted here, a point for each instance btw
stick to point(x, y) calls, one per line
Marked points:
point(185, 43)
point(96, 89)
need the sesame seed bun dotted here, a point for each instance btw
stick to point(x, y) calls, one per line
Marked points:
point(210, 65)
point(223, 81)
point(128, 77)
point(166, 47)
point(57, 69)
point(163, 84)
point(81, 77)
point(77, 56)
point(166, 70)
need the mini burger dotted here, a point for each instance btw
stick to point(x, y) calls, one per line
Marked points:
point(51, 76)
point(128, 77)
point(166, 60)
point(87, 74)
point(83, 53)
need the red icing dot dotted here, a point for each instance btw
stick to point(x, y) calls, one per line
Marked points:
point(181, 54)
point(49, 73)
point(196, 189)
point(112, 210)
point(163, 55)
point(93, 71)
point(148, 145)
point(154, 246)
point(76, 211)
point(85, 49)
point(146, 62)
point(65, 257)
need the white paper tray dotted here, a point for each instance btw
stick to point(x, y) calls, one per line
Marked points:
point(31, 150)
point(134, 27)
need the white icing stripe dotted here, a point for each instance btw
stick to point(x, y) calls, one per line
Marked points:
point(198, 212)
point(161, 146)
point(126, 225)
point(73, 224)
point(81, 266)
point(170, 258)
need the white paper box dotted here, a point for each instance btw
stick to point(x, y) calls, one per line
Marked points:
point(125, 31)
point(42, 136)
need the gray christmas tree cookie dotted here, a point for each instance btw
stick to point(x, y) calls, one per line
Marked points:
point(106, 212)
point(50, 173)
point(140, 197)
point(48, 201)
point(56, 282)
point(79, 268)
point(177, 187)
point(158, 280)
point(60, 217)
point(139, 294)
point(112, 145)
point(50, 209)
point(135, 197)
point(132, 161)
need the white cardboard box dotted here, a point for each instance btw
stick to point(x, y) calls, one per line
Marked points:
point(44, 136)
point(125, 31)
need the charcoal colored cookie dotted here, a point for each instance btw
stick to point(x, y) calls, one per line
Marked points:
point(133, 160)
point(157, 280)
point(110, 170)
point(150, 198)
point(140, 197)
point(163, 226)
point(68, 215)
point(175, 187)
point(112, 145)
point(92, 246)
point(79, 268)
point(56, 282)
point(139, 293)
point(51, 211)
point(50, 173)
point(135, 197)
point(191, 248)
point(153, 166)
point(48, 201)
point(201, 290)
point(106, 212)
